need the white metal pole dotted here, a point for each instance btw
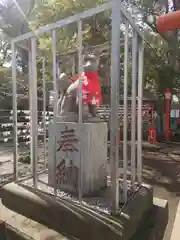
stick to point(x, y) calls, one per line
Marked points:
point(115, 78)
point(14, 94)
point(133, 114)
point(80, 104)
point(44, 108)
point(58, 68)
point(54, 104)
point(73, 65)
point(34, 126)
point(30, 103)
point(125, 125)
point(140, 99)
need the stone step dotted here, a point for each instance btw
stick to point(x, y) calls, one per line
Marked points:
point(15, 226)
point(79, 222)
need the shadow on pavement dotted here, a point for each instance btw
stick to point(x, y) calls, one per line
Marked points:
point(162, 170)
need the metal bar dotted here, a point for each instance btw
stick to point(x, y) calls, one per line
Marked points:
point(54, 103)
point(14, 93)
point(30, 103)
point(54, 71)
point(115, 78)
point(58, 67)
point(80, 37)
point(133, 114)
point(22, 45)
point(29, 176)
point(125, 125)
point(80, 105)
point(65, 21)
point(73, 65)
point(44, 108)
point(34, 128)
point(132, 22)
point(140, 98)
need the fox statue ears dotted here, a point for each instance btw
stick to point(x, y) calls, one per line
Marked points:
point(90, 63)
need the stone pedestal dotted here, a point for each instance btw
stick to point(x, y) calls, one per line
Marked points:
point(93, 154)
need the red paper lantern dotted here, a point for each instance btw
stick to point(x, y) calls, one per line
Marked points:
point(168, 22)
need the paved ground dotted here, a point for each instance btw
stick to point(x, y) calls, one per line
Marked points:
point(28, 227)
point(6, 164)
point(161, 169)
point(6, 167)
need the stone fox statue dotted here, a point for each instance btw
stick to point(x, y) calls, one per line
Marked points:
point(91, 89)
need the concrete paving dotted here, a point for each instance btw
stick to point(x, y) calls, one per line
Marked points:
point(176, 227)
point(27, 227)
point(162, 171)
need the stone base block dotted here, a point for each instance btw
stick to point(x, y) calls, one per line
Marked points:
point(93, 155)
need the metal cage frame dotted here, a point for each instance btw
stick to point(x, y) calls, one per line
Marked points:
point(118, 13)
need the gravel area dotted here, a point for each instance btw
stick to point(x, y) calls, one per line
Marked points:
point(6, 165)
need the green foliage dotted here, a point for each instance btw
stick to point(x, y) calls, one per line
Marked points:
point(54, 10)
point(4, 52)
point(159, 73)
point(95, 29)
point(160, 70)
